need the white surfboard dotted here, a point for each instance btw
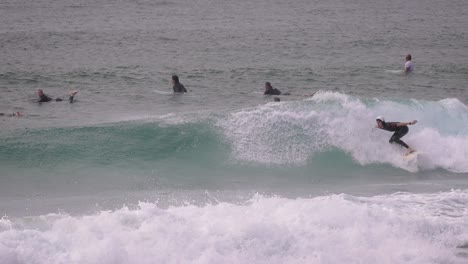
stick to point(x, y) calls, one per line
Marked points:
point(163, 92)
point(396, 72)
point(412, 156)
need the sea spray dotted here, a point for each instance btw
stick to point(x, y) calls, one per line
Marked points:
point(397, 228)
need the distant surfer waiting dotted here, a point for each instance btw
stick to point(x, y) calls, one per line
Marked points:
point(400, 129)
point(408, 65)
point(44, 98)
point(269, 90)
point(178, 87)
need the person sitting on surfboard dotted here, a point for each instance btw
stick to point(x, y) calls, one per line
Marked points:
point(44, 98)
point(400, 129)
point(178, 87)
point(408, 64)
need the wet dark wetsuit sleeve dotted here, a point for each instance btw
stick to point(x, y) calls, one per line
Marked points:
point(272, 91)
point(44, 98)
point(179, 88)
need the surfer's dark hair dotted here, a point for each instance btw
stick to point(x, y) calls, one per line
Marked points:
point(268, 84)
point(175, 78)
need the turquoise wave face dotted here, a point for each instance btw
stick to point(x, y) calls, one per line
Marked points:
point(115, 158)
point(116, 144)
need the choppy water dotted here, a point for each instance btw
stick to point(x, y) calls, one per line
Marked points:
point(130, 173)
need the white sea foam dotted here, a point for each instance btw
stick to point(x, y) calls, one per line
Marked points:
point(292, 132)
point(398, 228)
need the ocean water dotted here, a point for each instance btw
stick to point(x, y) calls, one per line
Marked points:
point(131, 173)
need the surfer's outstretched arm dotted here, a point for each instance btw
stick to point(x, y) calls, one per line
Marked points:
point(400, 124)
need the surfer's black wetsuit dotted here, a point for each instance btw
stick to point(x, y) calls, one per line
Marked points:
point(272, 91)
point(179, 88)
point(400, 131)
point(45, 98)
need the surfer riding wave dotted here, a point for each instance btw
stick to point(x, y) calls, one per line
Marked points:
point(400, 129)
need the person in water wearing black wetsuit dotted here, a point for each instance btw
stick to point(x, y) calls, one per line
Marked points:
point(44, 98)
point(400, 129)
point(269, 90)
point(178, 87)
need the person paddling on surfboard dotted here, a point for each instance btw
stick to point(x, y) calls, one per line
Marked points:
point(400, 129)
point(17, 114)
point(44, 98)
